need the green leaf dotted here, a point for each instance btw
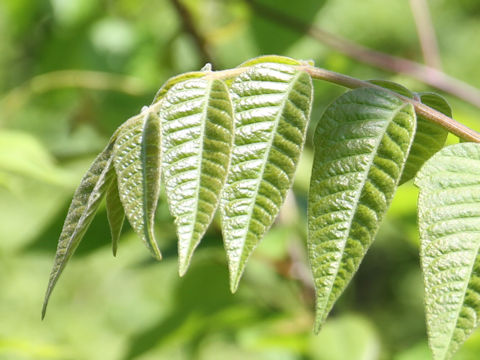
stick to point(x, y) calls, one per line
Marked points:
point(115, 213)
point(137, 164)
point(361, 145)
point(270, 59)
point(271, 109)
point(449, 222)
point(429, 137)
point(197, 127)
point(84, 205)
point(393, 86)
point(175, 80)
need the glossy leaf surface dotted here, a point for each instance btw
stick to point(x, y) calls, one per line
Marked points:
point(449, 222)
point(271, 108)
point(361, 145)
point(197, 128)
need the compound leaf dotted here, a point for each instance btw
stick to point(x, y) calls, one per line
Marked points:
point(361, 145)
point(137, 165)
point(449, 222)
point(80, 214)
point(271, 111)
point(197, 135)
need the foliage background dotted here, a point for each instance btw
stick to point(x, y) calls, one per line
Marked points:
point(55, 116)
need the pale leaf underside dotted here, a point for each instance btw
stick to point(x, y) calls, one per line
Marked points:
point(133, 178)
point(197, 133)
point(271, 110)
point(361, 145)
point(84, 205)
point(449, 222)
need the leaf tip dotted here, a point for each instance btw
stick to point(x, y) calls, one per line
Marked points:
point(235, 277)
point(183, 265)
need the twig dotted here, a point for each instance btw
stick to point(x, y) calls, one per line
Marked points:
point(198, 38)
point(433, 115)
point(426, 33)
point(426, 74)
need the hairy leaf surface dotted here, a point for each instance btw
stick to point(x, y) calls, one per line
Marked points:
point(449, 222)
point(137, 164)
point(80, 214)
point(361, 145)
point(271, 109)
point(197, 135)
point(115, 213)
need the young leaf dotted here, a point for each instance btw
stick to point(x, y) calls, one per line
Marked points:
point(449, 222)
point(429, 137)
point(137, 164)
point(197, 126)
point(115, 213)
point(84, 205)
point(271, 109)
point(361, 145)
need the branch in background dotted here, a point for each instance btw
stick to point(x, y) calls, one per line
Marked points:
point(428, 75)
point(189, 27)
point(426, 33)
point(96, 80)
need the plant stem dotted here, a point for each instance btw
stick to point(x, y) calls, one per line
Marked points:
point(427, 112)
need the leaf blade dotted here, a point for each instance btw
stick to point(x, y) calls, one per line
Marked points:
point(115, 213)
point(361, 145)
point(197, 125)
point(137, 167)
point(429, 137)
point(80, 214)
point(272, 105)
point(448, 215)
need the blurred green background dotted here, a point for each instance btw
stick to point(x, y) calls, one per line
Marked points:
point(71, 71)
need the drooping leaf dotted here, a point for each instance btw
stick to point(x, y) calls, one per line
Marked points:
point(137, 164)
point(84, 205)
point(361, 145)
point(197, 127)
point(115, 213)
point(271, 109)
point(429, 137)
point(449, 222)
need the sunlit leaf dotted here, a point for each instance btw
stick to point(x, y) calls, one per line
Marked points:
point(361, 145)
point(137, 164)
point(449, 222)
point(271, 108)
point(84, 205)
point(197, 127)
